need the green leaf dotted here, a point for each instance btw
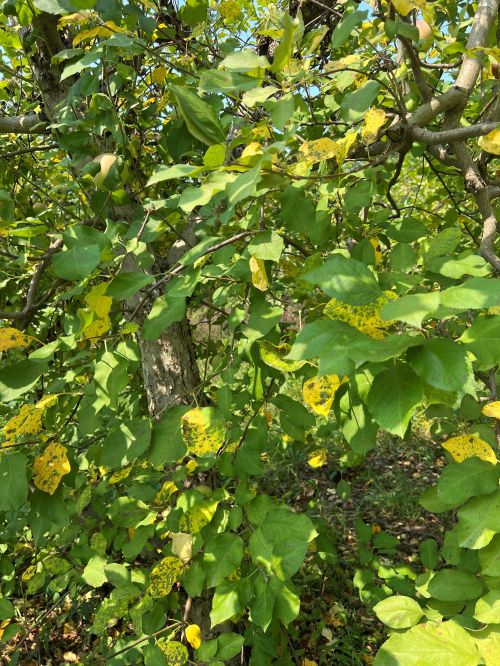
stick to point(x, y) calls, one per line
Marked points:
point(110, 378)
point(228, 646)
point(474, 294)
point(412, 309)
point(223, 555)
point(244, 185)
point(487, 608)
point(54, 6)
point(489, 557)
point(263, 318)
point(428, 551)
point(125, 285)
point(343, 30)
point(286, 603)
point(346, 279)
point(125, 443)
point(297, 210)
point(201, 120)
point(169, 172)
point(193, 12)
point(398, 612)
point(407, 230)
point(460, 481)
point(165, 312)
point(19, 378)
point(482, 339)
point(443, 242)
point(13, 482)
point(244, 61)
point(218, 80)
point(229, 599)
point(393, 397)
point(454, 585)
point(76, 263)
point(283, 52)
point(267, 245)
point(429, 644)
point(93, 573)
point(455, 268)
point(167, 445)
point(440, 363)
point(261, 609)
point(479, 520)
point(354, 105)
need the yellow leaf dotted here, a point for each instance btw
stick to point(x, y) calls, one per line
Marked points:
point(494, 310)
point(100, 305)
point(198, 516)
point(404, 7)
point(176, 653)
point(193, 636)
point(167, 489)
point(492, 409)
point(259, 275)
point(182, 545)
point(378, 258)
point(274, 357)
point(203, 431)
point(491, 142)
point(344, 145)
point(119, 475)
point(164, 575)
point(374, 120)
point(319, 392)
point(229, 10)
point(12, 337)
point(318, 459)
point(468, 446)
point(251, 153)
point(28, 421)
point(191, 465)
point(158, 75)
point(50, 467)
point(318, 150)
point(366, 318)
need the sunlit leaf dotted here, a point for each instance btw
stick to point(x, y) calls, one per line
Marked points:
point(274, 357)
point(404, 7)
point(366, 318)
point(490, 143)
point(492, 409)
point(50, 467)
point(164, 575)
point(10, 338)
point(28, 421)
point(318, 459)
point(259, 276)
point(466, 446)
point(319, 392)
point(193, 636)
point(100, 305)
point(182, 545)
point(176, 653)
point(374, 120)
point(198, 516)
point(203, 431)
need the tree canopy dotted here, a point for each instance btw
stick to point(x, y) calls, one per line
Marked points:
point(228, 228)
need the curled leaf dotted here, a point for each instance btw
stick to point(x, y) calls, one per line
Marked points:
point(467, 446)
point(259, 276)
point(50, 467)
point(274, 357)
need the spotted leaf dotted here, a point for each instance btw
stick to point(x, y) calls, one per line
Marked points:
point(319, 392)
point(467, 446)
point(50, 467)
point(164, 575)
point(203, 431)
point(10, 338)
point(492, 409)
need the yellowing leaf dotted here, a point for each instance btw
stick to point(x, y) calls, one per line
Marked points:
point(176, 653)
point(374, 120)
point(182, 545)
point(198, 516)
point(468, 446)
point(158, 75)
point(12, 337)
point(404, 7)
point(50, 467)
point(492, 409)
point(318, 459)
point(164, 575)
point(318, 150)
point(28, 421)
point(119, 475)
point(366, 318)
point(319, 392)
point(344, 145)
point(229, 10)
point(259, 275)
point(251, 153)
point(274, 357)
point(193, 636)
point(100, 305)
point(491, 142)
point(378, 258)
point(203, 431)
point(167, 489)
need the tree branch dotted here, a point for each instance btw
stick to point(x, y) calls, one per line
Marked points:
point(29, 124)
point(451, 135)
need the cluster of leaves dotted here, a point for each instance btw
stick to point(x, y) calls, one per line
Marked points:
point(296, 271)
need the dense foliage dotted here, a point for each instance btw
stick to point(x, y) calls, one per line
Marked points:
point(226, 229)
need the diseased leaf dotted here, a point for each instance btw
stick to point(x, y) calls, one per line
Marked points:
point(28, 421)
point(467, 446)
point(259, 276)
point(366, 318)
point(319, 392)
point(164, 575)
point(274, 357)
point(10, 338)
point(374, 120)
point(50, 467)
point(176, 653)
point(492, 409)
point(193, 636)
point(203, 431)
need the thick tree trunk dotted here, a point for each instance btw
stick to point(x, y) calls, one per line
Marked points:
point(169, 364)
